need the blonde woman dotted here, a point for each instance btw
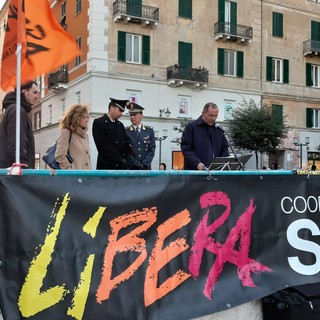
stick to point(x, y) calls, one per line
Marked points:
point(73, 128)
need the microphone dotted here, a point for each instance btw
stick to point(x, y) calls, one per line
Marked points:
point(221, 128)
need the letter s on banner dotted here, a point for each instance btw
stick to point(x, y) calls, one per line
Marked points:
point(304, 245)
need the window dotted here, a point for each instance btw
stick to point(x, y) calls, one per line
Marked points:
point(78, 6)
point(63, 105)
point(277, 112)
point(63, 14)
point(37, 120)
point(78, 97)
point(133, 48)
point(185, 9)
point(277, 24)
point(230, 63)
point(78, 58)
point(50, 114)
point(313, 118)
point(277, 70)
point(312, 75)
point(227, 13)
point(185, 54)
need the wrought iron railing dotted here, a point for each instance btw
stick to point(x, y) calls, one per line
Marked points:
point(233, 30)
point(134, 10)
point(60, 76)
point(187, 73)
point(310, 46)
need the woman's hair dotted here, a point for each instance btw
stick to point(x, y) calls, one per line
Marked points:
point(164, 165)
point(72, 117)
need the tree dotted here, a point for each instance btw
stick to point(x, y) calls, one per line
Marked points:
point(256, 129)
point(179, 129)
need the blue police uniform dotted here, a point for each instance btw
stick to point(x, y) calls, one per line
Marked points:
point(143, 146)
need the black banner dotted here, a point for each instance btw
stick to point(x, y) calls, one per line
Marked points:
point(153, 247)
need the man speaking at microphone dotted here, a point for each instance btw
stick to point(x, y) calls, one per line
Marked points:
point(202, 140)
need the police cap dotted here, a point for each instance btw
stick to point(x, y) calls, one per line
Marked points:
point(134, 108)
point(121, 104)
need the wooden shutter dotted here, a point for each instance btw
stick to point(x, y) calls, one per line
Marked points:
point(121, 46)
point(146, 50)
point(309, 117)
point(285, 71)
point(185, 54)
point(308, 75)
point(269, 69)
point(240, 64)
point(220, 61)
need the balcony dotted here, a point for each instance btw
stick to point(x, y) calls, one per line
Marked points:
point(142, 14)
point(196, 78)
point(232, 32)
point(57, 80)
point(311, 48)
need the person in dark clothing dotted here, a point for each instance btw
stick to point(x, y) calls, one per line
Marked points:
point(202, 140)
point(142, 139)
point(110, 138)
point(29, 96)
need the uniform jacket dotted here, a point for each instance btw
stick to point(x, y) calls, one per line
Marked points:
point(143, 146)
point(195, 141)
point(112, 143)
point(78, 150)
point(8, 133)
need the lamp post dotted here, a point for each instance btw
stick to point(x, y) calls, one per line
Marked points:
point(167, 112)
point(300, 144)
point(160, 139)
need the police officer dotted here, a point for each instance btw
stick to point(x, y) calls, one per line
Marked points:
point(142, 139)
point(110, 137)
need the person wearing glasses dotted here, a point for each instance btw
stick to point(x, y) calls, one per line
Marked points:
point(142, 139)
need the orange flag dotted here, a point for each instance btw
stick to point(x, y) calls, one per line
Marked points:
point(45, 44)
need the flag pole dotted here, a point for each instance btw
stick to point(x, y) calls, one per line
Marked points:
point(18, 98)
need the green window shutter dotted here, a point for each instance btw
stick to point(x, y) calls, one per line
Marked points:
point(121, 46)
point(309, 118)
point(285, 71)
point(221, 10)
point(146, 50)
point(277, 112)
point(134, 8)
point(277, 24)
point(220, 61)
point(233, 20)
point(308, 75)
point(269, 69)
point(239, 64)
point(315, 30)
point(185, 54)
point(185, 9)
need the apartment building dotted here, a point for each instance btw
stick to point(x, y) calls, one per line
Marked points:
point(174, 56)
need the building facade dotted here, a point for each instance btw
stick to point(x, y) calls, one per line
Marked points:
point(174, 56)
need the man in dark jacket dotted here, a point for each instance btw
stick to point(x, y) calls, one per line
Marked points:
point(202, 140)
point(110, 138)
point(142, 139)
point(29, 96)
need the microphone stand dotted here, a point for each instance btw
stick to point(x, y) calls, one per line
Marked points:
point(230, 145)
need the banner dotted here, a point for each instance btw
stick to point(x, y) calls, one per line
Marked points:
point(153, 247)
point(45, 44)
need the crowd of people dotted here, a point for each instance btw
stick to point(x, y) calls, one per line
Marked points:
point(119, 147)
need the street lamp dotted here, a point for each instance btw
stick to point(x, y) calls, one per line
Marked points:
point(160, 139)
point(296, 143)
point(167, 112)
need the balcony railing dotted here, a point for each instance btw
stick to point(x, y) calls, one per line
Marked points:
point(135, 13)
point(229, 31)
point(57, 78)
point(178, 76)
point(311, 47)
